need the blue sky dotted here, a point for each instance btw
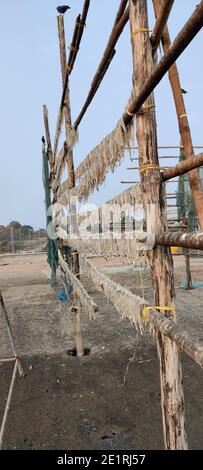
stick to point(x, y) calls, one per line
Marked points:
point(30, 77)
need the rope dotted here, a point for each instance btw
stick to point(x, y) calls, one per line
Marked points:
point(140, 30)
point(142, 110)
point(145, 310)
point(145, 108)
point(129, 113)
point(150, 166)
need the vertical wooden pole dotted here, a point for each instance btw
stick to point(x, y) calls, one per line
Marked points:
point(78, 327)
point(71, 180)
point(188, 270)
point(186, 252)
point(172, 398)
point(183, 122)
point(49, 146)
point(67, 109)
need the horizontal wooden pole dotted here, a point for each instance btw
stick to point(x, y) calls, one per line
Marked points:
point(184, 38)
point(169, 328)
point(160, 24)
point(170, 147)
point(105, 62)
point(183, 167)
point(193, 240)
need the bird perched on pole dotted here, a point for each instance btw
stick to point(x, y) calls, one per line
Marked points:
point(62, 9)
point(43, 145)
point(184, 91)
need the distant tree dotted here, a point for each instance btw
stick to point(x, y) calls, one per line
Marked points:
point(15, 224)
point(26, 228)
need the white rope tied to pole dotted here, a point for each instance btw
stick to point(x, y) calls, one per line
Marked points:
point(3, 425)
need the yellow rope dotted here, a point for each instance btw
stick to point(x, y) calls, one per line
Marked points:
point(142, 110)
point(129, 113)
point(150, 166)
point(163, 309)
point(149, 106)
point(140, 30)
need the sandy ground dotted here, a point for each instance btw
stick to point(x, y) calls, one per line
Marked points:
point(71, 403)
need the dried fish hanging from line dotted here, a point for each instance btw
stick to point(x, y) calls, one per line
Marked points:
point(87, 303)
point(127, 304)
point(113, 248)
point(91, 173)
point(113, 243)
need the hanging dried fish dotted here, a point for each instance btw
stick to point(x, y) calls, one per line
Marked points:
point(91, 173)
point(128, 305)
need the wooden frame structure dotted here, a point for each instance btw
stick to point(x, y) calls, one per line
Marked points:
point(170, 339)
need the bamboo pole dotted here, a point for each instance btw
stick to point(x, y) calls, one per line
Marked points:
point(121, 11)
point(78, 326)
point(104, 63)
point(183, 167)
point(48, 139)
point(122, 18)
point(77, 308)
point(74, 48)
point(160, 259)
point(67, 110)
point(183, 122)
point(161, 21)
point(10, 334)
point(71, 171)
point(170, 147)
point(186, 35)
point(81, 25)
point(69, 158)
point(183, 226)
point(8, 403)
point(192, 240)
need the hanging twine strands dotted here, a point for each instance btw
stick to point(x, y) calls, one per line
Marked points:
point(113, 248)
point(127, 304)
point(84, 297)
point(106, 156)
point(91, 173)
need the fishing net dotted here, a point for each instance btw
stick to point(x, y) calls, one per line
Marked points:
point(52, 251)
